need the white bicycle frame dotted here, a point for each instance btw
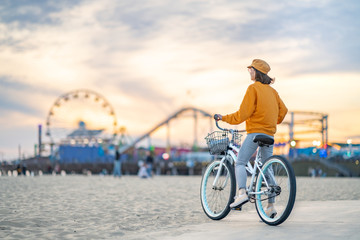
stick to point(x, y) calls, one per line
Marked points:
point(251, 169)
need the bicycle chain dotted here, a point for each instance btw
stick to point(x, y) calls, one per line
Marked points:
point(253, 198)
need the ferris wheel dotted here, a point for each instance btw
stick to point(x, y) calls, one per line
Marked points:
point(81, 117)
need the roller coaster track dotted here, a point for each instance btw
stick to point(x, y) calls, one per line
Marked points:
point(166, 121)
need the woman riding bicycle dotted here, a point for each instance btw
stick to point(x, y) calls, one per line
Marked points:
point(262, 109)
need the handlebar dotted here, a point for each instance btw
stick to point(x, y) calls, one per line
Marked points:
point(225, 129)
point(217, 125)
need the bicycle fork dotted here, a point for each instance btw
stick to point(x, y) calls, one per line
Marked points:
point(218, 175)
point(222, 162)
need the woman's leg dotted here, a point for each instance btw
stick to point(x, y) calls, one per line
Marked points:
point(267, 152)
point(247, 149)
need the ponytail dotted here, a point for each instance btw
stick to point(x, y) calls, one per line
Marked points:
point(262, 77)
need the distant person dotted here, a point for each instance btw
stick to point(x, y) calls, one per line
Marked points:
point(262, 109)
point(24, 169)
point(18, 169)
point(143, 171)
point(310, 170)
point(57, 169)
point(117, 163)
point(190, 164)
point(149, 162)
point(318, 171)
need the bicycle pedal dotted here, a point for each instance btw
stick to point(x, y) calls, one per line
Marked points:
point(236, 208)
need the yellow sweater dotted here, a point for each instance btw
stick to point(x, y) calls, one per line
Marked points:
point(261, 108)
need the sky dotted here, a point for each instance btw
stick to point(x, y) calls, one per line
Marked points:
point(151, 58)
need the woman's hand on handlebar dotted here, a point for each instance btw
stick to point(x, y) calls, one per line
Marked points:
point(218, 117)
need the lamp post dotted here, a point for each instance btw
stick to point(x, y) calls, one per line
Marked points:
point(349, 142)
point(316, 145)
point(292, 149)
point(39, 141)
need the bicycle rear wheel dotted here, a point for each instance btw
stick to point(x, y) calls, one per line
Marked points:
point(215, 199)
point(279, 174)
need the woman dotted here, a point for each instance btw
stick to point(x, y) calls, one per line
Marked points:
point(262, 109)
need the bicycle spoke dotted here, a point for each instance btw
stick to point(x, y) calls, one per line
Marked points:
point(217, 197)
point(277, 174)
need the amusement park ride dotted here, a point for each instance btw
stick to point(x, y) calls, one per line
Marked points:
point(79, 118)
point(85, 118)
point(79, 106)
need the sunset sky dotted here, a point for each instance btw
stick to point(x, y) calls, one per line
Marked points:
point(150, 58)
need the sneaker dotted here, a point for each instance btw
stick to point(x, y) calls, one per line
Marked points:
point(239, 200)
point(270, 212)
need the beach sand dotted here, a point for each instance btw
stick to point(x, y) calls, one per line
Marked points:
point(164, 207)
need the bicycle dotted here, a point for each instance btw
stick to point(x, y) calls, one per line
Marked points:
point(272, 178)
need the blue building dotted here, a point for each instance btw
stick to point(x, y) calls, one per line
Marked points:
point(85, 146)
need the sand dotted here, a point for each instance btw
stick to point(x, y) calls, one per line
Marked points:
point(164, 207)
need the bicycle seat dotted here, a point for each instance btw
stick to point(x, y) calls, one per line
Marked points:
point(263, 140)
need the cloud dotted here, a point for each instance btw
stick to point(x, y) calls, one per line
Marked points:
point(11, 104)
point(330, 29)
point(145, 56)
point(27, 13)
point(142, 90)
point(19, 97)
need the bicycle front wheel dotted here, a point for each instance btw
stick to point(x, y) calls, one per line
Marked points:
point(216, 196)
point(280, 177)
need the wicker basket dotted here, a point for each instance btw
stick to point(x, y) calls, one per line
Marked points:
point(217, 142)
